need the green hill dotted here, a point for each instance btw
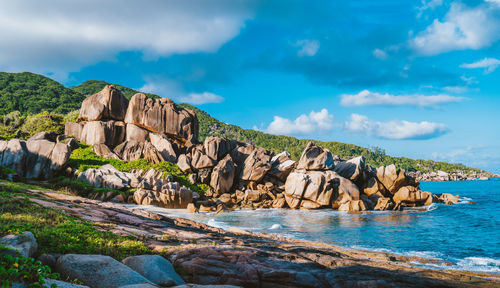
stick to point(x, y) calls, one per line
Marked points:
point(93, 86)
point(31, 93)
point(375, 156)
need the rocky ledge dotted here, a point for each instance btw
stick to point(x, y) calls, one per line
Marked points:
point(211, 256)
point(454, 176)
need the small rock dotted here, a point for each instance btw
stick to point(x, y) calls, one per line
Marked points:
point(155, 268)
point(24, 243)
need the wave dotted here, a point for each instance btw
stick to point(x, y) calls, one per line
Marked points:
point(481, 264)
point(217, 224)
point(275, 227)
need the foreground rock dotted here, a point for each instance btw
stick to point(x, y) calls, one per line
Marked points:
point(155, 268)
point(24, 244)
point(36, 158)
point(262, 260)
point(97, 271)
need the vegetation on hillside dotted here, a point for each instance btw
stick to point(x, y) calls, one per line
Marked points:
point(91, 87)
point(31, 93)
point(16, 125)
point(375, 156)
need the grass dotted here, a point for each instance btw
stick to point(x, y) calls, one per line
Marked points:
point(84, 158)
point(59, 233)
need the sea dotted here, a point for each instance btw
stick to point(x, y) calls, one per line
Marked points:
point(465, 235)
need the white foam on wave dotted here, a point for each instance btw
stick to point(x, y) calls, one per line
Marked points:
point(217, 224)
point(275, 227)
point(481, 264)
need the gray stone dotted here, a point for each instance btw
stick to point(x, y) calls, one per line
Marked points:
point(155, 268)
point(62, 284)
point(97, 271)
point(164, 147)
point(24, 243)
point(315, 158)
point(108, 176)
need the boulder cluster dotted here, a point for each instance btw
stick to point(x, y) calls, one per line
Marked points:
point(238, 174)
point(142, 128)
point(41, 157)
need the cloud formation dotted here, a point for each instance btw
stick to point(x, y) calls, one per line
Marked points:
point(320, 122)
point(307, 47)
point(201, 98)
point(462, 28)
point(368, 98)
point(67, 35)
point(490, 64)
point(394, 130)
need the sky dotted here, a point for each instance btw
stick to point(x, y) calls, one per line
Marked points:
point(419, 79)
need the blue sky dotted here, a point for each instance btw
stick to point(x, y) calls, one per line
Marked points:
point(417, 78)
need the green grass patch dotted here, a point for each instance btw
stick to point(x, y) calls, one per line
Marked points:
point(84, 158)
point(59, 233)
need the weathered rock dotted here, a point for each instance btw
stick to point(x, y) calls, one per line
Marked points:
point(162, 192)
point(164, 147)
point(184, 163)
point(134, 133)
point(353, 206)
point(145, 285)
point(108, 104)
point(201, 160)
point(206, 286)
point(315, 158)
point(62, 284)
point(281, 166)
point(97, 271)
point(252, 195)
point(411, 195)
point(279, 203)
point(217, 147)
point(109, 132)
point(256, 165)
point(351, 169)
point(449, 199)
point(13, 155)
point(155, 268)
point(50, 136)
point(391, 178)
point(109, 177)
point(162, 116)
point(38, 160)
point(373, 187)
point(191, 208)
point(204, 175)
point(348, 191)
point(25, 243)
point(104, 151)
point(222, 176)
point(59, 156)
point(383, 204)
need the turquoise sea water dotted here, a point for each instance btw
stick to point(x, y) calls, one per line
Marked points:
point(466, 234)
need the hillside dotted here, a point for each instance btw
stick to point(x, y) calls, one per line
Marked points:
point(31, 93)
point(93, 86)
point(375, 156)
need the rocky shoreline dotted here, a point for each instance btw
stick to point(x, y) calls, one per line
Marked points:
point(212, 256)
point(445, 176)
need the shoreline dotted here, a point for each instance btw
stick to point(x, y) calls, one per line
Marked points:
point(193, 240)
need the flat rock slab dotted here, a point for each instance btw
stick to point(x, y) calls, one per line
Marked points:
point(97, 271)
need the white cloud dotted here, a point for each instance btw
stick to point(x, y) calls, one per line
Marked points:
point(491, 64)
point(494, 2)
point(172, 89)
point(66, 35)
point(368, 98)
point(430, 4)
point(480, 156)
point(462, 28)
point(395, 129)
point(380, 54)
point(321, 122)
point(307, 47)
point(201, 98)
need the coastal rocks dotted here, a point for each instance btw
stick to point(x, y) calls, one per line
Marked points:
point(200, 160)
point(155, 268)
point(97, 271)
point(281, 166)
point(184, 163)
point(24, 244)
point(412, 196)
point(315, 158)
point(164, 147)
point(222, 176)
point(104, 151)
point(351, 169)
point(153, 190)
point(108, 176)
point(161, 116)
point(448, 199)
point(108, 103)
point(311, 189)
point(391, 178)
point(133, 150)
point(39, 159)
point(217, 147)
point(256, 165)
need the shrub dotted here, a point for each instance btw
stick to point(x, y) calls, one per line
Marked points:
point(23, 270)
point(43, 121)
